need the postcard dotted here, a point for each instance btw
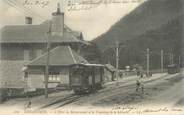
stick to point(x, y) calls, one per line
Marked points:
point(92, 57)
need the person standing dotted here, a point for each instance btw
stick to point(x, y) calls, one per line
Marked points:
point(140, 84)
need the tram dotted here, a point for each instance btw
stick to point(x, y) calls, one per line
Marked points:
point(86, 78)
point(173, 68)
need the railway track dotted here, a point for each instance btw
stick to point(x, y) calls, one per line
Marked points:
point(117, 91)
point(66, 102)
point(62, 102)
point(72, 98)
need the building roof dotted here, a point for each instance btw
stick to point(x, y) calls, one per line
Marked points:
point(59, 56)
point(89, 65)
point(37, 34)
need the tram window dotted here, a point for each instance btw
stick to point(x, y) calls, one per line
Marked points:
point(50, 78)
point(53, 76)
point(58, 78)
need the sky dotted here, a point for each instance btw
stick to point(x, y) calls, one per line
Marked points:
point(92, 22)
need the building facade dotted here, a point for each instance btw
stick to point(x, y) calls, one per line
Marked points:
point(21, 44)
point(61, 59)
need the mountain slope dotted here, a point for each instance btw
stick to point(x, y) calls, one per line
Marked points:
point(167, 38)
point(156, 24)
point(149, 16)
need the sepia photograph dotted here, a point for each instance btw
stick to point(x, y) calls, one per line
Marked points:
point(92, 57)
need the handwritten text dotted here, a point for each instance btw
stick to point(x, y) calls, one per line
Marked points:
point(88, 4)
point(40, 3)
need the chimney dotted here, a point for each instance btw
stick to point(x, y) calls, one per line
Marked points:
point(28, 20)
point(58, 21)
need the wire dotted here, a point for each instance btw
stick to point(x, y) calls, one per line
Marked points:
point(26, 9)
point(22, 9)
point(10, 4)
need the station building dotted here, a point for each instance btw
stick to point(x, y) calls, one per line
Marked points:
point(21, 45)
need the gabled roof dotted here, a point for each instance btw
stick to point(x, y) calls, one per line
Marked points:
point(89, 65)
point(59, 56)
point(37, 34)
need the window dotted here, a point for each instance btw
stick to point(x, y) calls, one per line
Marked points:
point(58, 78)
point(26, 55)
point(54, 76)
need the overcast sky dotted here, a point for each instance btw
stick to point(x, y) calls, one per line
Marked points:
point(91, 22)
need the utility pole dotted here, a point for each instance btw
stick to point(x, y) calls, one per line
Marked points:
point(47, 61)
point(162, 61)
point(117, 59)
point(172, 58)
point(179, 61)
point(148, 61)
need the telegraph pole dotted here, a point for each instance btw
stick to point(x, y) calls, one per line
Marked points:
point(172, 58)
point(47, 61)
point(179, 61)
point(148, 61)
point(117, 59)
point(162, 61)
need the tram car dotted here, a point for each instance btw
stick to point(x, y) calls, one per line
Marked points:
point(173, 68)
point(86, 78)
